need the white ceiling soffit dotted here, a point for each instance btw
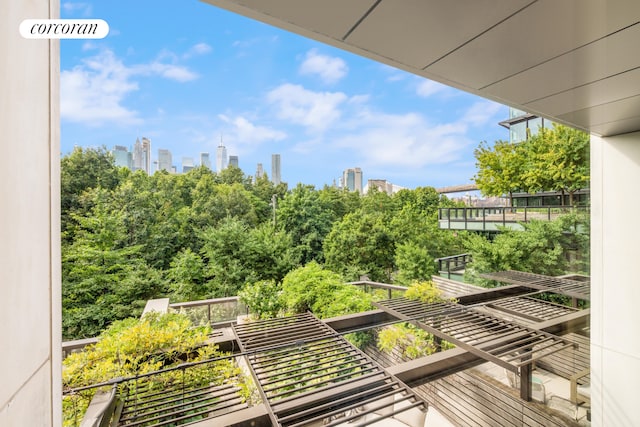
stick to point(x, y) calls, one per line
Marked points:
point(574, 61)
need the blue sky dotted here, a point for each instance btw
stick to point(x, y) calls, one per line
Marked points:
point(185, 73)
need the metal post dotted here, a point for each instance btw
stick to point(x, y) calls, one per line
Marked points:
point(484, 219)
point(525, 382)
point(464, 212)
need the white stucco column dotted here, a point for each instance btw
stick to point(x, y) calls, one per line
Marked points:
point(615, 285)
point(30, 331)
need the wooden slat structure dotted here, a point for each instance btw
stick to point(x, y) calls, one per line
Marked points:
point(507, 344)
point(571, 288)
point(531, 309)
point(177, 403)
point(309, 375)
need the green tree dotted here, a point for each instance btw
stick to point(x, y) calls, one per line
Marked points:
point(361, 243)
point(236, 254)
point(414, 263)
point(540, 248)
point(500, 169)
point(558, 160)
point(321, 291)
point(103, 278)
point(263, 298)
point(303, 215)
point(80, 170)
point(225, 251)
point(271, 253)
point(339, 200)
point(186, 277)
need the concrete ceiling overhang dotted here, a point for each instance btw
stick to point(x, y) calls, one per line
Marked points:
point(574, 61)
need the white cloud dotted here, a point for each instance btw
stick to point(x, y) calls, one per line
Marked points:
point(168, 71)
point(245, 132)
point(329, 69)
point(198, 49)
point(314, 110)
point(88, 45)
point(77, 8)
point(94, 91)
point(426, 88)
point(409, 140)
point(406, 140)
point(481, 113)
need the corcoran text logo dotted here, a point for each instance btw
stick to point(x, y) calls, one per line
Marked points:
point(64, 29)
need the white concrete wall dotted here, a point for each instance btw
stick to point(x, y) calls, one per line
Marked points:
point(29, 220)
point(615, 285)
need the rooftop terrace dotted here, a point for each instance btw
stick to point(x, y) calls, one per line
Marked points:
point(307, 374)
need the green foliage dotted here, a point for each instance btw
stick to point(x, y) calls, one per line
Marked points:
point(424, 291)
point(263, 298)
point(302, 214)
point(558, 160)
point(132, 347)
point(500, 168)
point(186, 277)
point(552, 160)
point(236, 254)
point(414, 263)
point(81, 170)
point(128, 237)
point(322, 292)
point(407, 341)
point(360, 339)
point(361, 244)
point(103, 280)
point(541, 248)
point(302, 287)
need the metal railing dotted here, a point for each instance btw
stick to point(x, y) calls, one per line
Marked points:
point(168, 397)
point(453, 263)
point(216, 311)
point(369, 287)
point(487, 218)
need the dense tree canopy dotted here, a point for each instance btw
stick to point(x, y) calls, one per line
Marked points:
point(129, 237)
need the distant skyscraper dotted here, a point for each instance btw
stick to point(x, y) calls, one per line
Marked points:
point(205, 160)
point(137, 155)
point(165, 160)
point(352, 179)
point(146, 151)
point(275, 169)
point(259, 171)
point(142, 155)
point(122, 157)
point(221, 157)
point(187, 164)
point(233, 161)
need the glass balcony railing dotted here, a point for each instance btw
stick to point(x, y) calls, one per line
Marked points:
point(490, 218)
point(211, 311)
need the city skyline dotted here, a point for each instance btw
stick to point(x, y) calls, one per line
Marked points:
point(123, 157)
point(213, 73)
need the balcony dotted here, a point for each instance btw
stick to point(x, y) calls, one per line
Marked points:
point(497, 218)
